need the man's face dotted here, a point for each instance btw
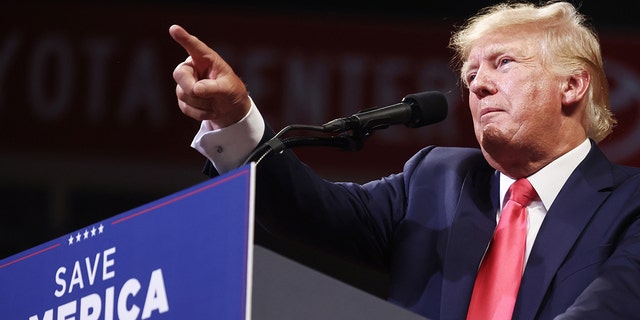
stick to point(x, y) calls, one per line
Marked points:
point(515, 101)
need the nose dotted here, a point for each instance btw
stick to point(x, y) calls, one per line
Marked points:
point(482, 85)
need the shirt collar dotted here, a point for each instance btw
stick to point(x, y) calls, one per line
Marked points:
point(549, 180)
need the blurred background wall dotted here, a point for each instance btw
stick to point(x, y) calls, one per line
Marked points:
point(89, 125)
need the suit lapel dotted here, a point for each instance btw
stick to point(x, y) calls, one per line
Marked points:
point(577, 202)
point(474, 220)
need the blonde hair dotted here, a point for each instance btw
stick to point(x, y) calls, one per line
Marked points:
point(568, 45)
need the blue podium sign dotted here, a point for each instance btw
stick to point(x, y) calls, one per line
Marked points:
point(185, 256)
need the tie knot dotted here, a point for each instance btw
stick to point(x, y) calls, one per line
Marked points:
point(522, 192)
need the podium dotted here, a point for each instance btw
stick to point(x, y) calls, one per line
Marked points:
point(284, 289)
point(189, 255)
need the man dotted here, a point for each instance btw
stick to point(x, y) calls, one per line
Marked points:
point(539, 103)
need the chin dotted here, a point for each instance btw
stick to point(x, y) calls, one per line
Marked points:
point(491, 138)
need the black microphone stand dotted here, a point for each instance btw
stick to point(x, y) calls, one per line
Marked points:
point(348, 141)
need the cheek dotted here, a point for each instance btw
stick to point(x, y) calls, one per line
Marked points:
point(474, 107)
point(538, 105)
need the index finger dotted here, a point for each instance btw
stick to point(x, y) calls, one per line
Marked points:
point(194, 47)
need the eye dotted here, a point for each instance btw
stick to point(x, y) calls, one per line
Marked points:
point(471, 77)
point(504, 61)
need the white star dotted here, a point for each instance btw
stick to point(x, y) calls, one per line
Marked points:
point(100, 228)
point(78, 236)
point(70, 240)
point(85, 234)
point(93, 231)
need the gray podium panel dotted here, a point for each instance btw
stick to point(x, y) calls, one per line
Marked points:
point(285, 290)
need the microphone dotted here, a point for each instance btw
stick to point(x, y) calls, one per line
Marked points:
point(415, 110)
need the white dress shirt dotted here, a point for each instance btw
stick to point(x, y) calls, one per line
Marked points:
point(228, 147)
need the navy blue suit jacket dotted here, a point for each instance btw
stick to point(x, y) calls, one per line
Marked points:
point(429, 226)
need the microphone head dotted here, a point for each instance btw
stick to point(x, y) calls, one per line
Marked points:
point(428, 107)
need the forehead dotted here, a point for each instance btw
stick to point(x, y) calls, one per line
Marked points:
point(515, 43)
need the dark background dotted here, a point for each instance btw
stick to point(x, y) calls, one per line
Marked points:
point(61, 170)
point(614, 13)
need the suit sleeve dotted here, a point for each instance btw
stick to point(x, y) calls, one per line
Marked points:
point(351, 220)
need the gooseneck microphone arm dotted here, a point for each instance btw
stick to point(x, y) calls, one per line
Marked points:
point(415, 110)
point(277, 144)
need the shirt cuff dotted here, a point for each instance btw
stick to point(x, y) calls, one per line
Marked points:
point(227, 148)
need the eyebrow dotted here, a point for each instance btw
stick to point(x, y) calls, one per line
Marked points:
point(492, 51)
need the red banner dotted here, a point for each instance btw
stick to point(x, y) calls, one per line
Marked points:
point(97, 81)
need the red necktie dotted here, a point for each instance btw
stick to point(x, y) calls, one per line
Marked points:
point(496, 287)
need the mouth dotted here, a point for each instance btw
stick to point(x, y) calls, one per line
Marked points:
point(489, 110)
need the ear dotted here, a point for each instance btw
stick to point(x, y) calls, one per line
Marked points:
point(575, 88)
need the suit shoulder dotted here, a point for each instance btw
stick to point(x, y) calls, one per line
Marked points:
point(628, 172)
point(447, 158)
